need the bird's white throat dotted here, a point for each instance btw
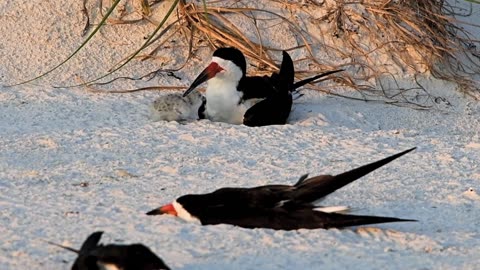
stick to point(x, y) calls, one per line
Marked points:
point(184, 214)
point(107, 266)
point(223, 98)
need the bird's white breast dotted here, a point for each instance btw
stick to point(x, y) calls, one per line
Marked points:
point(223, 102)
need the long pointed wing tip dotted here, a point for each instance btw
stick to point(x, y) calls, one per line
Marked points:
point(403, 220)
point(406, 151)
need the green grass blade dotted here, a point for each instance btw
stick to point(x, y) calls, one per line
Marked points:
point(78, 49)
point(145, 45)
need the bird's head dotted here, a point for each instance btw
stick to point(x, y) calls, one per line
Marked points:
point(228, 64)
point(181, 208)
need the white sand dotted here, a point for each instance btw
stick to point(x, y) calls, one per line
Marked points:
point(53, 140)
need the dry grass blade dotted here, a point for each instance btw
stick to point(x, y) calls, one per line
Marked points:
point(222, 30)
point(87, 18)
point(145, 44)
point(152, 88)
point(146, 10)
point(371, 40)
point(215, 26)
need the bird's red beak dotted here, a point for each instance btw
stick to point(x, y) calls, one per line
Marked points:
point(166, 209)
point(204, 76)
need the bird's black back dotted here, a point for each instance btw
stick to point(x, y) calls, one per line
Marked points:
point(273, 110)
point(129, 257)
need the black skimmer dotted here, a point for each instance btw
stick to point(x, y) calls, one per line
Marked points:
point(93, 256)
point(175, 107)
point(280, 207)
point(234, 98)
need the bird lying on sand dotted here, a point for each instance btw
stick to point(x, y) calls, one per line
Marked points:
point(280, 207)
point(233, 97)
point(94, 256)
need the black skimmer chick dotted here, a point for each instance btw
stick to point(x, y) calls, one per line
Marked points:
point(280, 207)
point(234, 98)
point(93, 256)
point(175, 107)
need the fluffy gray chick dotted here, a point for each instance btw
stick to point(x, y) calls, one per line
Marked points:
point(174, 107)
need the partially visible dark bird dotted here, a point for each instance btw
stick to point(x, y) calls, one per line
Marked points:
point(235, 98)
point(94, 256)
point(280, 207)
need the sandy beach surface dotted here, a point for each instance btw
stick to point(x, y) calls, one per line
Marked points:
point(73, 162)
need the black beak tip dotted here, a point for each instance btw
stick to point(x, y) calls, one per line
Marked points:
point(154, 212)
point(408, 220)
point(189, 90)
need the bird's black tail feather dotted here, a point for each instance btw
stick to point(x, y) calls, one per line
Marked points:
point(314, 188)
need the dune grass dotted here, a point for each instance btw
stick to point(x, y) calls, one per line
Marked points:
point(416, 36)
